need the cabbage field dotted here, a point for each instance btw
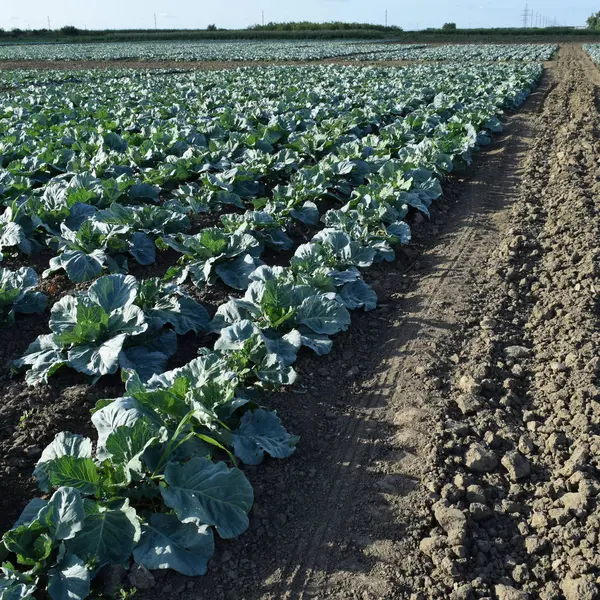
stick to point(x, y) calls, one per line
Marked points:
point(275, 51)
point(238, 208)
point(190, 51)
point(464, 52)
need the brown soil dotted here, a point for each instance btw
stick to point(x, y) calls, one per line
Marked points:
point(199, 65)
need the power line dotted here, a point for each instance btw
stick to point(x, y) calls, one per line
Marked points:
point(533, 18)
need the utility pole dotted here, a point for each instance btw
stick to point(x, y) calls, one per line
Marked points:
point(526, 15)
point(386, 17)
point(155, 26)
point(49, 28)
point(263, 18)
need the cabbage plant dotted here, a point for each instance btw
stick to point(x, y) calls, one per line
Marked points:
point(118, 322)
point(18, 294)
point(214, 253)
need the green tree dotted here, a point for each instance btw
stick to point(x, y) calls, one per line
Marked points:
point(69, 30)
point(449, 27)
point(593, 21)
point(211, 27)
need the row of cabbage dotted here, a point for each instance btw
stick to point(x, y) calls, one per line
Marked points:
point(594, 52)
point(66, 159)
point(465, 52)
point(276, 51)
point(192, 51)
point(154, 485)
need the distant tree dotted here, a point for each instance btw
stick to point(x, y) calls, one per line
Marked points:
point(329, 26)
point(69, 30)
point(16, 32)
point(211, 27)
point(449, 27)
point(593, 21)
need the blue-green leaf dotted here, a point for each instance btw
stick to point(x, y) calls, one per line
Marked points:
point(64, 444)
point(70, 580)
point(97, 360)
point(210, 493)
point(64, 513)
point(109, 533)
point(259, 432)
point(114, 291)
point(323, 314)
point(143, 248)
point(81, 267)
point(79, 473)
point(358, 294)
point(167, 543)
point(236, 273)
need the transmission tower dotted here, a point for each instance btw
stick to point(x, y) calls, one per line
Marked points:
point(526, 15)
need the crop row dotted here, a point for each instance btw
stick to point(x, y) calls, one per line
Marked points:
point(58, 183)
point(152, 486)
point(192, 51)
point(465, 53)
point(594, 52)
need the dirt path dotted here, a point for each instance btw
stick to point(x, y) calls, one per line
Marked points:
point(520, 460)
point(458, 457)
point(211, 65)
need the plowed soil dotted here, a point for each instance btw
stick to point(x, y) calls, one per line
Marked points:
point(451, 442)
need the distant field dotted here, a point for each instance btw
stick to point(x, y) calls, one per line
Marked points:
point(193, 51)
point(251, 51)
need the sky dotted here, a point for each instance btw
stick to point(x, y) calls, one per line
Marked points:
point(197, 14)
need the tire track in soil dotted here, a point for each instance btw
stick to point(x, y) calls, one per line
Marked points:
point(313, 566)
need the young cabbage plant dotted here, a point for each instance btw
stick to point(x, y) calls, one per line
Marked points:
point(84, 253)
point(205, 406)
point(285, 311)
point(18, 295)
point(117, 323)
point(134, 497)
point(193, 199)
point(147, 219)
point(331, 263)
point(17, 231)
point(365, 225)
point(214, 253)
point(263, 226)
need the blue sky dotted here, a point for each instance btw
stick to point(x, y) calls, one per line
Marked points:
point(116, 14)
